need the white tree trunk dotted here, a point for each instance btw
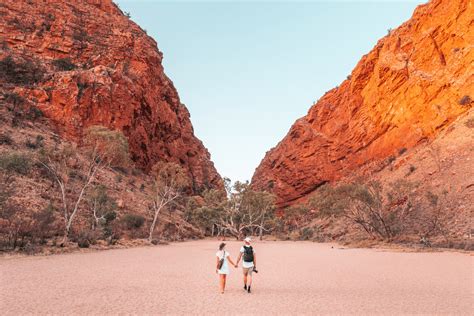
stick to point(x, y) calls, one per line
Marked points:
point(153, 224)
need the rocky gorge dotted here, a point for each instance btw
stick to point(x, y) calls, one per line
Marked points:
point(86, 63)
point(411, 86)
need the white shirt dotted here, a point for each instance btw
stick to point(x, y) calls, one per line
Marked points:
point(246, 264)
point(225, 267)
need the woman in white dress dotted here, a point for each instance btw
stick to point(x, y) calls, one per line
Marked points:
point(224, 269)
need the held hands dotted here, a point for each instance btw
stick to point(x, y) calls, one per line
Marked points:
point(236, 265)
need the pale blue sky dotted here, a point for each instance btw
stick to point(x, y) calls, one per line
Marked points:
point(247, 70)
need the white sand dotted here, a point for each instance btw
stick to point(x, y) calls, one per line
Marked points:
point(295, 278)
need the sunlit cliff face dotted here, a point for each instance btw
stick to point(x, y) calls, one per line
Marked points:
point(92, 66)
point(412, 85)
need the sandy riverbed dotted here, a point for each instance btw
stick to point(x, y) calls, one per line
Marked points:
point(295, 278)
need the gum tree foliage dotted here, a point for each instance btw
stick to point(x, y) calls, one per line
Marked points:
point(19, 226)
point(383, 212)
point(102, 207)
point(102, 148)
point(238, 211)
point(169, 182)
point(378, 211)
point(207, 216)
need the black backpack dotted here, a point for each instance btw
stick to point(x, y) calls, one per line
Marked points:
point(248, 254)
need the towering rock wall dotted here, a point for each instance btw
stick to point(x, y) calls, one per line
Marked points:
point(414, 82)
point(86, 63)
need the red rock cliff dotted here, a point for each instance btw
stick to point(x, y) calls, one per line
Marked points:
point(93, 65)
point(413, 83)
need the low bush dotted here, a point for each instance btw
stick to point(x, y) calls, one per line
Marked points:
point(110, 216)
point(44, 224)
point(86, 238)
point(20, 72)
point(64, 64)
point(76, 174)
point(83, 242)
point(37, 143)
point(15, 162)
point(29, 144)
point(34, 113)
point(21, 228)
point(20, 108)
point(103, 209)
point(14, 99)
point(306, 233)
point(121, 169)
point(465, 100)
point(5, 139)
point(133, 221)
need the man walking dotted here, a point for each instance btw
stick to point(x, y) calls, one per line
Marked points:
point(249, 263)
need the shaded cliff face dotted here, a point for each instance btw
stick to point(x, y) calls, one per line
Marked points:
point(414, 83)
point(85, 63)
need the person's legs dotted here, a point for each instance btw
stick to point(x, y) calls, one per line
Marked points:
point(222, 282)
point(245, 271)
point(249, 279)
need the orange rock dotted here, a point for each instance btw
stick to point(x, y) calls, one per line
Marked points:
point(414, 82)
point(114, 78)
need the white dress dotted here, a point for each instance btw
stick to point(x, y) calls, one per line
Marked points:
point(225, 267)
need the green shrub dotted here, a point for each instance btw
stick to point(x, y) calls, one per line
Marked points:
point(306, 233)
point(83, 242)
point(64, 64)
point(120, 169)
point(76, 174)
point(20, 109)
point(15, 162)
point(14, 99)
point(133, 221)
point(111, 236)
point(34, 113)
point(29, 144)
point(465, 100)
point(38, 143)
point(44, 223)
point(401, 151)
point(21, 72)
point(86, 238)
point(110, 216)
point(5, 139)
